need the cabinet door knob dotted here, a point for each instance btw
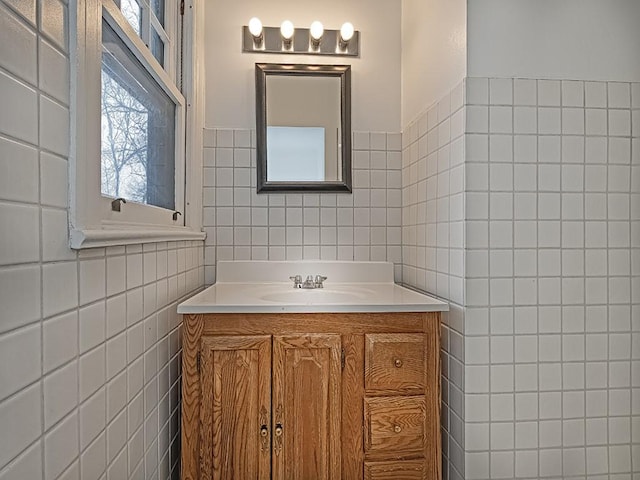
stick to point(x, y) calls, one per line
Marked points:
point(397, 363)
point(397, 428)
point(278, 429)
point(264, 431)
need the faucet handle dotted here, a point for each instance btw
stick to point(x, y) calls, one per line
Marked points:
point(297, 281)
point(318, 281)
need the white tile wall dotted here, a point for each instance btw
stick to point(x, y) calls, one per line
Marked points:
point(123, 359)
point(433, 206)
point(242, 225)
point(551, 285)
point(89, 342)
point(546, 330)
point(516, 199)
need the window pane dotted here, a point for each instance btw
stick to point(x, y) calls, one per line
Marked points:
point(157, 7)
point(157, 47)
point(133, 13)
point(138, 129)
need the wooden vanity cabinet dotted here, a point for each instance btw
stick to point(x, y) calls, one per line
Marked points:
point(311, 396)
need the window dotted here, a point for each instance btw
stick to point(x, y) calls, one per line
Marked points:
point(148, 22)
point(138, 129)
point(129, 127)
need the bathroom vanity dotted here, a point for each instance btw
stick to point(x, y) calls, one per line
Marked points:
point(340, 382)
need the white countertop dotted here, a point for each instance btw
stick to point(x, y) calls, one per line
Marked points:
point(242, 287)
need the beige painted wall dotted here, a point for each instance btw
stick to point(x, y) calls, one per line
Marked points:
point(230, 88)
point(565, 39)
point(434, 52)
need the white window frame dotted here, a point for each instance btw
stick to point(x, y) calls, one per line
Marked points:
point(92, 222)
point(150, 23)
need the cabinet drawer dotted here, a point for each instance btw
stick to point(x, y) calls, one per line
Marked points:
point(395, 363)
point(394, 426)
point(400, 470)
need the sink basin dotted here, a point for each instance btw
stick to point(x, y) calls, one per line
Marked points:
point(319, 295)
point(262, 287)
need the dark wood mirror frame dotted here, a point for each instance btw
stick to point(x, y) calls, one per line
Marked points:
point(343, 72)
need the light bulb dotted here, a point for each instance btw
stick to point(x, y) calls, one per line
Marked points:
point(255, 27)
point(346, 31)
point(316, 30)
point(287, 30)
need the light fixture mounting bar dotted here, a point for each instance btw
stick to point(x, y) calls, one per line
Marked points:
point(273, 42)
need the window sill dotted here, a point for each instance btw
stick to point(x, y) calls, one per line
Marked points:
point(108, 237)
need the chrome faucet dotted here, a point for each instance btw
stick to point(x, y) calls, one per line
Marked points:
point(309, 283)
point(319, 281)
point(297, 281)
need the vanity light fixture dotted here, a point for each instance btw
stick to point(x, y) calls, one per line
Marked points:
point(255, 28)
point(315, 40)
point(315, 35)
point(287, 31)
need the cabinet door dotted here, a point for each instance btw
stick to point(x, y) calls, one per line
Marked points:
point(306, 407)
point(235, 412)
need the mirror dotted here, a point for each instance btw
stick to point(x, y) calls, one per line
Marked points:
point(303, 127)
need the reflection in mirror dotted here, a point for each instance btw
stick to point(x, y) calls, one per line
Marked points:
point(303, 128)
point(299, 152)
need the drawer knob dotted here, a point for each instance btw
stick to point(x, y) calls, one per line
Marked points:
point(278, 430)
point(397, 428)
point(264, 431)
point(398, 363)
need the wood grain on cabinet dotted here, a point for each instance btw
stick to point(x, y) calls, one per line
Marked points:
point(397, 470)
point(343, 323)
point(395, 426)
point(433, 439)
point(192, 326)
point(395, 363)
point(235, 414)
point(316, 369)
point(306, 406)
point(352, 406)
